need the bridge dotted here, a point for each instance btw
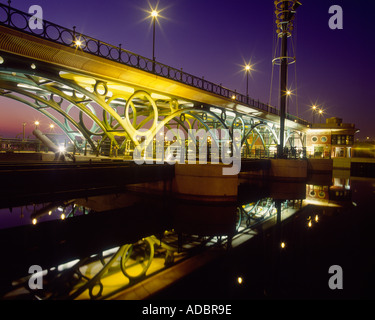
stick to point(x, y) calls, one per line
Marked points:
point(104, 96)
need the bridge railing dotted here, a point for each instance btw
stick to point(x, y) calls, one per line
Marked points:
point(22, 21)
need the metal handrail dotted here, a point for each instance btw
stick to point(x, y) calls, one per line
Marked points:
point(19, 20)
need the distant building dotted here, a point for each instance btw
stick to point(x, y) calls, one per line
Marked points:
point(333, 139)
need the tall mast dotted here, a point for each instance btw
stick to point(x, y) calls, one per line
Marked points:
point(285, 12)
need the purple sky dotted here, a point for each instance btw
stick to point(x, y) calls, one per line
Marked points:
point(215, 38)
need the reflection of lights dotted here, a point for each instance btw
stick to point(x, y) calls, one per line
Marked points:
point(310, 220)
point(321, 202)
point(49, 213)
point(239, 280)
point(62, 216)
point(34, 221)
point(67, 265)
point(110, 251)
point(33, 66)
point(283, 245)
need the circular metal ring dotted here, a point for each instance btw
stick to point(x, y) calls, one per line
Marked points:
point(173, 104)
point(134, 132)
point(92, 295)
point(148, 259)
point(97, 84)
point(277, 61)
point(223, 115)
point(182, 117)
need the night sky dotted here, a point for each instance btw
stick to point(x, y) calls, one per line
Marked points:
point(216, 38)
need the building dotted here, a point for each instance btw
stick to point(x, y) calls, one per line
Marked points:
point(333, 139)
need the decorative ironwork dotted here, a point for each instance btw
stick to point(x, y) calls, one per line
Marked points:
point(129, 116)
point(18, 20)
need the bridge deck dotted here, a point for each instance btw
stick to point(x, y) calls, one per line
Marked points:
point(133, 71)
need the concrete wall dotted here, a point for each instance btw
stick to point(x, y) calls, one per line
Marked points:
point(204, 182)
point(320, 165)
point(288, 169)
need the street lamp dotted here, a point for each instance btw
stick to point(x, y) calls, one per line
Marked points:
point(320, 115)
point(37, 123)
point(23, 131)
point(288, 93)
point(247, 70)
point(314, 110)
point(154, 16)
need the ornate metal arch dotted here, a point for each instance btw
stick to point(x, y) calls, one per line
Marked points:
point(127, 113)
point(254, 129)
point(293, 133)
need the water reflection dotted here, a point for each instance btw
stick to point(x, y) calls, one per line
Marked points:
point(96, 247)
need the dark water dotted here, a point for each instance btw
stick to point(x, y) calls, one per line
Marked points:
point(332, 224)
point(342, 236)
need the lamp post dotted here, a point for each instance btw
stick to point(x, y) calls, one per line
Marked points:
point(37, 123)
point(154, 15)
point(23, 131)
point(320, 115)
point(247, 70)
point(288, 93)
point(314, 110)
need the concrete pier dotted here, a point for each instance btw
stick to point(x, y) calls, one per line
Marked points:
point(204, 182)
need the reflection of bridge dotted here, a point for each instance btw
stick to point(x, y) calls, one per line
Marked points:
point(105, 95)
point(114, 257)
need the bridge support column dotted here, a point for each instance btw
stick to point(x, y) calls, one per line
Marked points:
point(204, 182)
